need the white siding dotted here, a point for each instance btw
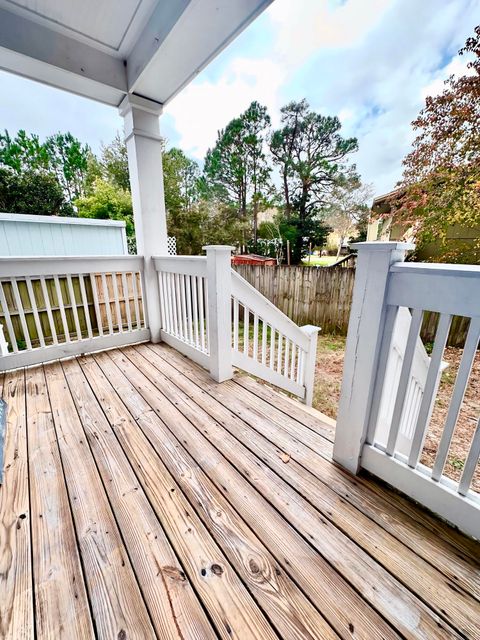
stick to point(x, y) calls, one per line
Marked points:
point(26, 235)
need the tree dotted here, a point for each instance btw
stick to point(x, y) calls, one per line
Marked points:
point(236, 169)
point(440, 188)
point(114, 163)
point(68, 160)
point(61, 156)
point(312, 158)
point(23, 153)
point(256, 121)
point(180, 180)
point(347, 208)
point(30, 193)
point(107, 202)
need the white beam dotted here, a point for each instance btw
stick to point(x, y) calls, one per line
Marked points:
point(36, 52)
point(144, 148)
point(163, 62)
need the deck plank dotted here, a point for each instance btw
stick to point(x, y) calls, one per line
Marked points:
point(225, 516)
point(319, 580)
point(61, 605)
point(463, 572)
point(390, 497)
point(232, 609)
point(303, 414)
point(419, 576)
point(116, 601)
point(288, 609)
point(175, 610)
point(16, 598)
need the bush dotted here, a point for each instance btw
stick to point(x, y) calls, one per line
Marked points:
point(32, 193)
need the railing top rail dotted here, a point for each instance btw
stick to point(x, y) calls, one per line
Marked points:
point(187, 265)
point(430, 269)
point(59, 265)
point(180, 257)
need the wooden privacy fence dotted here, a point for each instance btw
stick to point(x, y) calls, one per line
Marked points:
point(322, 296)
point(307, 295)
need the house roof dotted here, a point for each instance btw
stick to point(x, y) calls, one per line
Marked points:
point(104, 49)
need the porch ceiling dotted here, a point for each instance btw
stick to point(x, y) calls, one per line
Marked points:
point(104, 49)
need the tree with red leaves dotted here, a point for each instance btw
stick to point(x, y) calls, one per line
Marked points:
point(440, 190)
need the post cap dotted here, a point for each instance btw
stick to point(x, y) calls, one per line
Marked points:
point(310, 329)
point(378, 245)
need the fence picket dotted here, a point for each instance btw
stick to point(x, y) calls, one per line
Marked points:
point(34, 306)
point(73, 306)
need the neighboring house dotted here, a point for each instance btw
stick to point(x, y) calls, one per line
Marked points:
point(384, 227)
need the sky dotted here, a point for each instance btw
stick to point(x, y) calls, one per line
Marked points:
point(371, 62)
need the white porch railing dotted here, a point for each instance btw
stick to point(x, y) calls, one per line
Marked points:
point(184, 302)
point(55, 307)
point(197, 295)
point(385, 413)
point(278, 351)
point(52, 308)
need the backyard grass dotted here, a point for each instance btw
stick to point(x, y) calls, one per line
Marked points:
point(328, 379)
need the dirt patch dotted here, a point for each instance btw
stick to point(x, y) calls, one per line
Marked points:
point(328, 379)
point(328, 374)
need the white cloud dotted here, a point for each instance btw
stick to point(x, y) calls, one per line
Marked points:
point(304, 26)
point(372, 62)
point(205, 107)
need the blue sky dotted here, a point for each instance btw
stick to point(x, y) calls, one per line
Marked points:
point(371, 62)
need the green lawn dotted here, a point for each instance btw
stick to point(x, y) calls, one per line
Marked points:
point(319, 261)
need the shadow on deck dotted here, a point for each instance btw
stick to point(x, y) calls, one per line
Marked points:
point(143, 500)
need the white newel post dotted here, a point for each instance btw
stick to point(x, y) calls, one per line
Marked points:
point(311, 359)
point(144, 148)
point(365, 330)
point(219, 278)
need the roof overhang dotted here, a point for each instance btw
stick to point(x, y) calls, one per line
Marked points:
point(104, 49)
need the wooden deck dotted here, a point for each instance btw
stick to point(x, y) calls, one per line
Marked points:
point(142, 500)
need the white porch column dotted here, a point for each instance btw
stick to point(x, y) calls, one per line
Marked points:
point(144, 148)
point(365, 329)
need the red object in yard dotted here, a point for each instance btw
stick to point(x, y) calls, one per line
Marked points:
point(251, 258)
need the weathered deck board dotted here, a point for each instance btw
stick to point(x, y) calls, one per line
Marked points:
point(358, 493)
point(117, 605)
point(228, 602)
point(175, 610)
point(16, 600)
point(225, 516)
point(421, 577)
point(277, 594)
point(61, 605)
point(395, 602)
point(320, 580)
